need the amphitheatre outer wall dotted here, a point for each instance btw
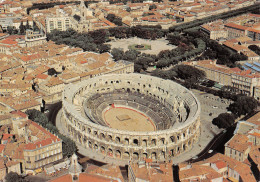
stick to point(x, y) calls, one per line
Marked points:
point(159, 145)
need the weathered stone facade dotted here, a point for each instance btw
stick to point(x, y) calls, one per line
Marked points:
point(163, 144)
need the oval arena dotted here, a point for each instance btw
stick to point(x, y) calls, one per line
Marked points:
point(131, 117)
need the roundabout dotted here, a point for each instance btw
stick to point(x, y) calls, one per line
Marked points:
point(131, 117)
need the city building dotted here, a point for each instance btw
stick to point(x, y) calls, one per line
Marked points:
point(150, 171)
point(244, 81)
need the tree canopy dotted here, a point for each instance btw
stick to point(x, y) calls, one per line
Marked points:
point(13, 176)
point(224, 120)
point(243, 105)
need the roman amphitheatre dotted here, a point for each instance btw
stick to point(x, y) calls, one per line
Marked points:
point(131, 117)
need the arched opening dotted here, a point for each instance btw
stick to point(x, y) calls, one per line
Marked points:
point(128, 89)
point(102, 136)
point(89, 144)
point(102, 150)
point(153, 143)
point(110, 138)
point(183, 135)
point(144, 143)
point(135, 156)
point(184, 147)
point(110, 152)
point(95, 133)
point(162, 155)
point(162, 141)
point(117, 140)
point(126, 141)
point(96, 147)
point(126, 155)
point(135, 142)
point(172, 139)
point(89, 130)
point(154, 155)
point(172, 153)
point(144, 156)
point(118, 154)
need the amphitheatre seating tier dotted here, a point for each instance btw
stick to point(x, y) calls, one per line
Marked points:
point(96, 104)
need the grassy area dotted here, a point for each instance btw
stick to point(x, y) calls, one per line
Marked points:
point(141, 48)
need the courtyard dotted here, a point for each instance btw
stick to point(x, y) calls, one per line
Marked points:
point(156, 45)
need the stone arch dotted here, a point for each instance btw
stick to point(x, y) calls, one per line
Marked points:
point(89, 144)
point(144, 155)
point(172, 153)
point(89, 130)
point(153, 142)
point(96, 147)
point(110, 138)
point(102, 136)
point(144, 143)
point(135, 142)
point(103, 150)
point(162, 155)
point(172, 139)
point(110, 152)
point(118, 154)
point(153, 156)
point(126, 155)
point(135, 156)
point(162, 140)
point(117, 139)
point(126, 141)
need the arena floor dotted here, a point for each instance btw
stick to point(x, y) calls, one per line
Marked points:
point(127, 119)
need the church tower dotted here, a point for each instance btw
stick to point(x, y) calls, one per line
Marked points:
point(75, 168)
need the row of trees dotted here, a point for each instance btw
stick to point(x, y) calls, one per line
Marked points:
point(214, 50)
point(189, 75)
point(184, 51)
point(226, 15)
point(144, 32)
point(243, 105)
point(68, 146)
point(255, 48)
point(48, 5)
point(115, 19)
point(91, 41)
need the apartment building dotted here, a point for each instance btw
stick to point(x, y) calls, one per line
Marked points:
point(244, 81)
point(61, 23)
point(238, 148)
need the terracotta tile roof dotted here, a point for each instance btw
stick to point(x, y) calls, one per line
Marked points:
point(233, 25)
point(42, 76)
point(2, 147)
point(7, 136)
point(83, 177)
point(64, 178)
point(239, 142)
point(220, 164)
point(2, 164)
point(54, 81)
point(198, 170)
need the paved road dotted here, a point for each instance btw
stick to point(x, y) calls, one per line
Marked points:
point(53, 111)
